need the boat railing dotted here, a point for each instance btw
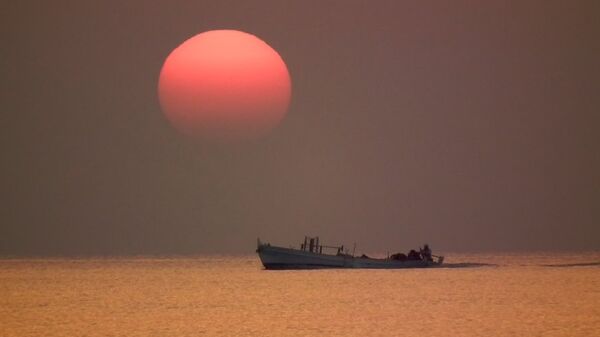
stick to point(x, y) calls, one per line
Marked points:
point(311, 244)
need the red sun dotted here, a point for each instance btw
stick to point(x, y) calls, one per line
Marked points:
point(224, 85)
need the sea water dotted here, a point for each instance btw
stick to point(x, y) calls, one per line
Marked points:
point(513, 295)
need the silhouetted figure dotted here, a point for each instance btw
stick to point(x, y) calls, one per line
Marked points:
point(426, 253)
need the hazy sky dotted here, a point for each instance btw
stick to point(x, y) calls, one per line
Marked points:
point(467, 125)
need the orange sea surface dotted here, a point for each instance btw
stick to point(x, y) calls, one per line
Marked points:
point(542, 294)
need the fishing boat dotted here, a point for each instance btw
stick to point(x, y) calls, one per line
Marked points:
point(313, 255)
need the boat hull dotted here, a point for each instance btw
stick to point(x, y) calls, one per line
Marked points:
point(273, 257)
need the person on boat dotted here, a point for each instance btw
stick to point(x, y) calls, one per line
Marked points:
point(426, 253)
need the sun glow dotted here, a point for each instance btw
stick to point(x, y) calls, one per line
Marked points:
point(224, 85)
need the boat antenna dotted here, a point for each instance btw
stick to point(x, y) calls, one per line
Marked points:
point(354, 249)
